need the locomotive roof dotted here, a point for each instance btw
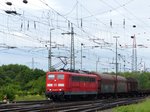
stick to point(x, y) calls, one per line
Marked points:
point(73, 73)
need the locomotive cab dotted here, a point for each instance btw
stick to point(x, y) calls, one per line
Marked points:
point(55, 84)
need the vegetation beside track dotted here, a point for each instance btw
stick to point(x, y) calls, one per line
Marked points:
point(140, 107)
point(20, 80)
point(30, 97)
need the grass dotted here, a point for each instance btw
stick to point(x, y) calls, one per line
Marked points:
point(140, 107)
point(29, 98)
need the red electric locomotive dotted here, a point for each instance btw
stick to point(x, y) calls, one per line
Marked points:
point(60, 85)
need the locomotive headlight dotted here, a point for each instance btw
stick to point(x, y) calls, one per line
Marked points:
point(49, 85)
point(60, 89)
point(50, 89)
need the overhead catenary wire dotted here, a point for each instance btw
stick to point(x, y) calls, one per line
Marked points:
point(61, 28)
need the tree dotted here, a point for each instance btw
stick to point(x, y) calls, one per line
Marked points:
point(20, 79)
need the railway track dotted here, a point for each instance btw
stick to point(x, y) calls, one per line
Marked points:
point(33, 101)
point(85, 106)
point(4, 106)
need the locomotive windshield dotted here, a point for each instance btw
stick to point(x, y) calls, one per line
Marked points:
point(60, 76)
point(57, 76)
point(51, 76)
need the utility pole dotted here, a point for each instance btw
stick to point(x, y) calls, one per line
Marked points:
point(124, 63)
point(116, 55)
point(81, 55)
point(72, 66)
point(134, 55)
point(50, 52)
point(144, 66)
point(116, 65)
point(72, 55)
point(97, 64)
point(32, 63)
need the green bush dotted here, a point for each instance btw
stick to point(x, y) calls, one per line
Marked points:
point(1, 96)
point(7, 92)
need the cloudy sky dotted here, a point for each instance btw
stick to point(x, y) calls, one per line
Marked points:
point(25, 32)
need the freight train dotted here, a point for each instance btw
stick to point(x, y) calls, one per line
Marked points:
point(68, 85)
